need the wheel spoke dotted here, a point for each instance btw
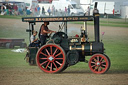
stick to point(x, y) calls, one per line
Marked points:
point(103, 62)
point(58, 54)
point(43, 58)
point(99, 69)
point(47, 52)
point(103, 65)
point(58, 63)
point(93, 66)
point(55, 65)
point(51, 49)
point(43, 63)
point(59, 58)
point(55, 52)
point(47, 65)
point(51, 67)
point(101, 59)
point(98, 58)
point(93, 62)
point(43, 54)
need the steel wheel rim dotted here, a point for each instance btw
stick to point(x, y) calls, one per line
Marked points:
point(98, 63)
point(51, 58)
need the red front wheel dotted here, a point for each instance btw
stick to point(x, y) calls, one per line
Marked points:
point(99, 63)
point(51, 58)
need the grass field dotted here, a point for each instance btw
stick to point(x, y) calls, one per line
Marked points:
point(109, 23)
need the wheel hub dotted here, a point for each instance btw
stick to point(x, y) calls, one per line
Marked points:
point(98, 63)
point(51, 58)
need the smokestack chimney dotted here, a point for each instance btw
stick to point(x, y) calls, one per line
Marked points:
point(96, 23)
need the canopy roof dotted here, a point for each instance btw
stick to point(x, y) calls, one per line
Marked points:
point(57, 19)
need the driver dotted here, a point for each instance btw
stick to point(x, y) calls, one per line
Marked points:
point(43, 33)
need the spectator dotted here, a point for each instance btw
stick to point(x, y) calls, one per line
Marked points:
point(88, 10)
point(32, 10)
point(68, 10)
point(19, 10)
point(38, 10)
point(3, 9)
point(43, 11)
point(7, 9)
point(49, 11)
point(53, 10)
point(22, 10)
point(15, 9)
point(65, 11)
point(113, 12)
point(35, 14)
point(28, 12)
point(10, 9)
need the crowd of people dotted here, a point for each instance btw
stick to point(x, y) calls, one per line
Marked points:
point(9, 9)
point(53, 11)
point(19, 9)
point(35, 10)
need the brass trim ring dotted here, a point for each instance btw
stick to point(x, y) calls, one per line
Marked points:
point(90, 47)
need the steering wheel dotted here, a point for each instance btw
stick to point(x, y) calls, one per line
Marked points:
point(62, 35)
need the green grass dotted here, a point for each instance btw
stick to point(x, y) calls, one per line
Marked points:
point(11, 16)
point(11, 59)
point(110, 23)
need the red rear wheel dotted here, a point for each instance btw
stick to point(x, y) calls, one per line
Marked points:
point(99, 63)
point(51, 58)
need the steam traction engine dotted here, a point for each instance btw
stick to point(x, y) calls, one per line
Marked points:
point(62, 51)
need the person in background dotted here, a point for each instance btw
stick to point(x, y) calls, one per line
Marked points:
point(7, 9)
point(53, 10)
point(23, 10)
point(113, 12)
point(32, 10)
point(19, 10)
point(68, 10)
point(3, 9)
point(88, 10)
point(35, 14)
point(43, 10)
point(15, 9)
point(65, 11)
point(10, 9)
point(38, 10)
point(49, 11)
